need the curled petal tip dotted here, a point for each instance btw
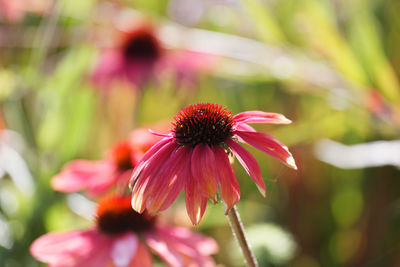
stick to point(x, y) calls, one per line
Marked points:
point(195, 221)
point(137, 205)
point(291, 163)
point(286, 120)
point(263, 191)
point(283, 119)
point(227, 210)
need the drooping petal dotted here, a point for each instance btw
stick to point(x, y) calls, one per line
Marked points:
point(124, 249)
point(181, 178)
point(47, 248)
point(269, 145)
point(164, 191)
point(194, 248)
point(257, 116)
point(142, 258)
point(229, 185)
point(204, 245)
point(72, 249)
point(94, 176)
point(109, 66)
point(185, 65)
point(140, 191)
point(204, 170)
point(138, 201)
point(165, 252)
point(249, 163)
point(148, 155)
point(196, 203)
point(138, 71)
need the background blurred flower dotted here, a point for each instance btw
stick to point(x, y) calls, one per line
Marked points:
point(99, 177)
point(120, 238)
point(194, 156)
point(139, 56)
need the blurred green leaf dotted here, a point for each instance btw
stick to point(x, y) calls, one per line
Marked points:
point(368, 45)
point(266, 25)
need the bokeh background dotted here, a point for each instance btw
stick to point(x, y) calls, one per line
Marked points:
point(332, 66)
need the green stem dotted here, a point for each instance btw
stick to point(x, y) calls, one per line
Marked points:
point(239, 234)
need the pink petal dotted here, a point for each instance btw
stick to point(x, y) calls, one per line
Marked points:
point(124, 249)
point(149, 175)
point(193, 248)
point(163, 250)
point(143, 138)
point(160, 134)
point(142, 257)
point(185, 65)
point(204, 171)
point(245, 127)
point(196, 203)
point(181, 182)
point(165, 190)
point(95, 176)
point(269, 145)
point(109, 66)
point(204, 245)
point(256, 116)
point(138, 200)
point(138, 72)
point(249, 163)
point(229, 185)
point(148, 155)
point(72, 248)
point(187, 61)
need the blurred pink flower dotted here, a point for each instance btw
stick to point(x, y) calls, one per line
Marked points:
point(140, 56)
point(99, 177)
point(121, 238)
point(194, 156)
point(14, 10)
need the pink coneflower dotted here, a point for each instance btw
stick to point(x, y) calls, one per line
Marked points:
point(140, 55)
point(121, 238)
point(99, 177)
point(194, 156)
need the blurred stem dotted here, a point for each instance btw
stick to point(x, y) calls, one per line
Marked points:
point(138, 107)
point(29, 129)
point(239, 234)
point(45, 34)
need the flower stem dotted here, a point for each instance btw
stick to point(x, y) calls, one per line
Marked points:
point(238, 232)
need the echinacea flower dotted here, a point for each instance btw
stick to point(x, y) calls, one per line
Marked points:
point(121, 238)
point(140, 56)
point(99, 177)
point(194, 156)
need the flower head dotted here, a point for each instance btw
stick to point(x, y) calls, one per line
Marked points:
point(194, 156)
point(120, 238)
point(141, 44)
point(99, 177)
point(140, 56)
